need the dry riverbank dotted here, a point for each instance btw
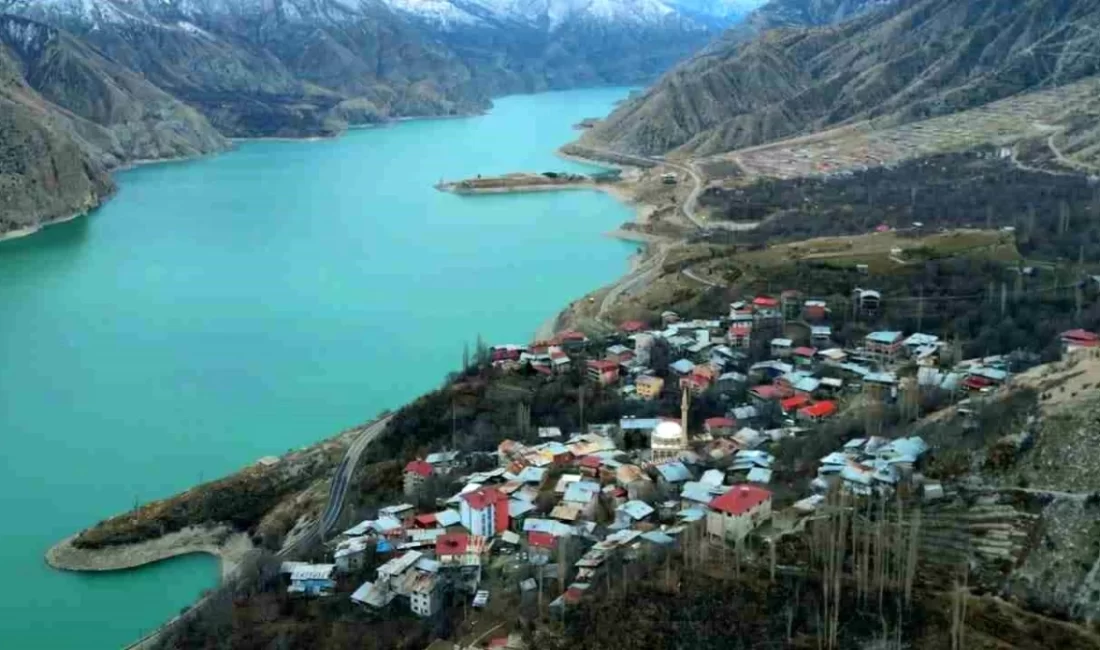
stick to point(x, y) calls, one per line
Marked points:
point(220, 541)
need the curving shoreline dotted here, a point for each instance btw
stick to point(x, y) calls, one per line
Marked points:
point(230, 547)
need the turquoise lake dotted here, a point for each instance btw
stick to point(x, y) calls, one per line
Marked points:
point(229, 308)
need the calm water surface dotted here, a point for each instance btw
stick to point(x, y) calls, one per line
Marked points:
point(221, 310)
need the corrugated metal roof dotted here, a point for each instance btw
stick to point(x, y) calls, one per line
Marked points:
point(674, 471)
point(637, 509)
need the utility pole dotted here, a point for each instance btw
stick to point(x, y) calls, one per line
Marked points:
point(1004, 297)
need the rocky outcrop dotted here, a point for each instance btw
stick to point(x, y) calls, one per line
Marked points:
point(899, 62)
point(286, 68)
point(44, 174)
point(115, 115)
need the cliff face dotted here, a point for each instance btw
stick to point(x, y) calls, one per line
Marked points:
point(115, 115)
point(290, 67)
point(44, 175)
point(898, 62)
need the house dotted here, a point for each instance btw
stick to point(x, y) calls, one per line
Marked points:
point(1078, 339)
point(425, 591)
point(700, 379)
point(351, 553)
point(814, 311)
point(719, 426)
point(820, 335)
point(484, 511)
point(817, 412)
point(792, 404)
point(682, 367)
point(620, 354)
point(765, 393)
point(789, 302)
point(459, 550)
point(731, 381)
point(549, 433)
point(632, 327)
point(803, 356)
point(416, 472)
point(649, 387)
point(672, 473)
point(442, 461)
point(833, 356)
point(781, 348)
point(919, 340)
point(765, 302)
point(603, 371)
point(884, 345)
point(635, 510)
point(739, 334)
point(312, 580)
point(867, 301)
point(737, 512)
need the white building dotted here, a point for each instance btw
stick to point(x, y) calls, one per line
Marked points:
point(667, 440)
point(736, 513)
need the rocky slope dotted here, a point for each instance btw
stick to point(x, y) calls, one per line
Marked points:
point(307, 67)
point(44, 175)
point(900, 61)
point(73, 114)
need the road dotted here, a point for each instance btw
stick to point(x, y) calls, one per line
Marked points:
point(691, 274)
point(337, 494)
point(345, 472)
point(687, 207)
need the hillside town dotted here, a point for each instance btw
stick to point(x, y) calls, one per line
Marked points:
point(551, 517)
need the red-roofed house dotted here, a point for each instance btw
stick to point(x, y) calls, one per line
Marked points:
point(976, 383)
point(416, 472)
point(484, 511)
point(459, 549)
point(425, 521)
point(737, 512)
point(632, 326)
point(768, 393)
point(700, 379)
point(542, 540)
point(1079, 338)
point(603, 371)
point(719, 426)
point(765, 302)
point(803, 356)
point(740, 334)
point(794, 403)
point(818, 411)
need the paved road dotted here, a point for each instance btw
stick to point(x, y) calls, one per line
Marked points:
point(336, 496)
point(345, 472)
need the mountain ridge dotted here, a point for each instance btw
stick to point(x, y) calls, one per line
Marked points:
point(898, 62)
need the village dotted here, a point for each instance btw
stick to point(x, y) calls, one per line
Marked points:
point(547, 519)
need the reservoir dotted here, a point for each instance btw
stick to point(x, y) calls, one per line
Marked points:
point(224, 309)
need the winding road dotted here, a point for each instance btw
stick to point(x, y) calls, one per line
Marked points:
point(336, 496)
point(345, 472)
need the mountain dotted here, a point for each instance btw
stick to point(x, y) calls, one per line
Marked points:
point(309, 67)
point(44, 175)
point(898, 62)
point(70, 114)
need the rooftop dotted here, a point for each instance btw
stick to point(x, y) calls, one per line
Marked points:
point(740, 499)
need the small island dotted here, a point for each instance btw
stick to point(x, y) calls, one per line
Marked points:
point(529, 182)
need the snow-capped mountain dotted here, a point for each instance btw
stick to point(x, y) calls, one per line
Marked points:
point(287, 67)
point(552, 14)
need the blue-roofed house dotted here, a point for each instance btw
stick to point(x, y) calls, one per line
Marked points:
point(672, 474)
point(636, 510)
point(884, 345)
point(581, 492)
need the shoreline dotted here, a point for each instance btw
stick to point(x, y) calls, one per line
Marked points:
point(230, 547)
point(27, 231)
